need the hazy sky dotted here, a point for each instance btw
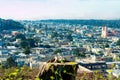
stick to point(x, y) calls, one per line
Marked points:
point(60, 9)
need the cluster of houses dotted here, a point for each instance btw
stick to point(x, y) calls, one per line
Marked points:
point(53, 38)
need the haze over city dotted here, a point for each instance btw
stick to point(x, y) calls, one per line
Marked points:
point(59, 9)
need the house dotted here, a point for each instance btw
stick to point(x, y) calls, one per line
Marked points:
point(116, 72)
point(94, 65)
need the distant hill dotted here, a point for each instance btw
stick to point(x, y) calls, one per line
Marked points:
point(9, 24)
point(109, 23)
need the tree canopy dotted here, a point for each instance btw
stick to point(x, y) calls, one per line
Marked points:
point(11, 62)
point(118, 42)
point(20, 36)
point(9, 24)
point(27, 43)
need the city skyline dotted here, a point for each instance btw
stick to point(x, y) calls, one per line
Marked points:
point(59, 9)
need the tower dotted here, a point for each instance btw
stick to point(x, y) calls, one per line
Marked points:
point(104, 32)
point(46, 30)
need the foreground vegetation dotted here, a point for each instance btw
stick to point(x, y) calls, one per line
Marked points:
point(15, 73)
point(25, 73)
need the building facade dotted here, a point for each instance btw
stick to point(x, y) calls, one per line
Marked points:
point(104, 32)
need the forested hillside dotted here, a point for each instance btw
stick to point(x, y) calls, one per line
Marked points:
point(109, 23)
point(9, 24)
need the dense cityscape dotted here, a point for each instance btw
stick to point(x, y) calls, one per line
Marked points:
point(59, 39)
point(92, 48)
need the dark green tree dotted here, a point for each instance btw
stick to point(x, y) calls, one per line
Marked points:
point(16, 53)
point(31, 42)
point(106, 45)
point(118, 42)
point(11, 62)
point(20, 36)
point(26, 50)
point(27, 43)
point(77, 52)
point(24, 44)
point(69, 37)
point(57, 51)
point(54, 34)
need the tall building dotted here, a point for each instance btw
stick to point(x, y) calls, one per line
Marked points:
point(104, 32)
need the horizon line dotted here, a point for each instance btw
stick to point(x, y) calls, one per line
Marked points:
point(59, 19)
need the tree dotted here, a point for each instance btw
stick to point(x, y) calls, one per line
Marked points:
point(78, 53)
point(27, 43)
point(11, 62)
point(24, 44)
point(20, 36)
point(57, 51)
point(54, 34)
point(69, 37)
point(16, 53)
point(118, 42)
point(31, 42)
point(47, 46)
point(106, 45)
point(26, 50)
